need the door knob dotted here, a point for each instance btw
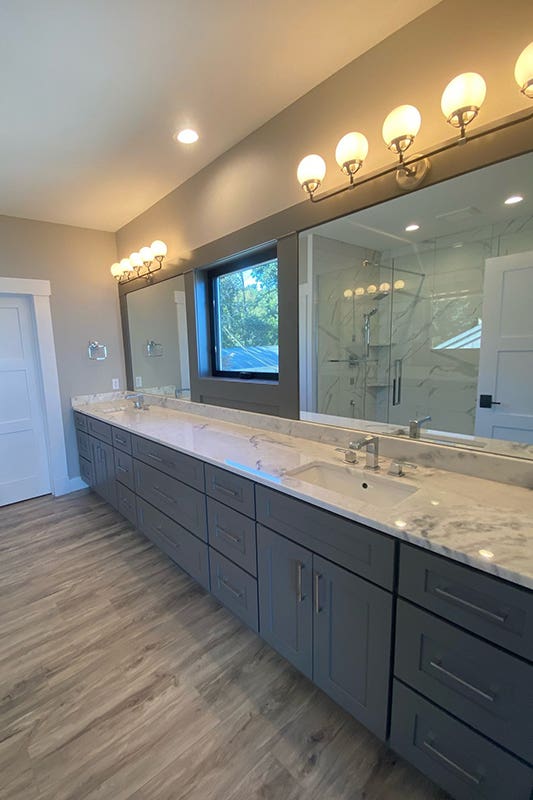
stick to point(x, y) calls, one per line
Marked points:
point(486, 401)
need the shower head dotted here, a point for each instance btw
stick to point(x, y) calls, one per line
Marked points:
point(371, 312)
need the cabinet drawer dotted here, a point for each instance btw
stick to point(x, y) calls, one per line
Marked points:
point(484, 605)
point(86, 471)
point(230, 489)
point(84, 445)
point(124, 469)
point(353, 546)
point(126, 503)
point(80, 421)
point(232, 534)
point(175, 499)
point(121, 440)
point(235, 588)
point(177, 465)
point(100, 430)
point(460, 760)
point(180, 545)
point(487, 688)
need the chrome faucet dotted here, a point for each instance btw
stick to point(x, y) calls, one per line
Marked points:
point(138, 401)
point(371, 444)
point(415, 425)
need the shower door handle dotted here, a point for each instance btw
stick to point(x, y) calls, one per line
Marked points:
point(397, 383)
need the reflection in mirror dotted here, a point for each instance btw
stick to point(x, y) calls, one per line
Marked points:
point(158, 338)
point(422, 307)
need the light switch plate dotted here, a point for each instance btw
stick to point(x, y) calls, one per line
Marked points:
point(115, 383)
point(138, 382)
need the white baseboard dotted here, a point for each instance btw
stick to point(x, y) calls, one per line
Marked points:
point(70, 485)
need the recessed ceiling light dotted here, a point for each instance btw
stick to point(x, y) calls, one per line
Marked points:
point(412, 227)
point(513, 199)
point(187, 136)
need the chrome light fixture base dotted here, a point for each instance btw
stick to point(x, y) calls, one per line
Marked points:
point(401, 144)
point(351, 168)
point(463, 117)
point(410, 176)
point(527, 89)
point(311, 187)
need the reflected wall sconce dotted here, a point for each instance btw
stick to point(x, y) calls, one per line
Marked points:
point(141, 264)
point(461, 102)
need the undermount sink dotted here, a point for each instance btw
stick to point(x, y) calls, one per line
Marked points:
point(377, 490)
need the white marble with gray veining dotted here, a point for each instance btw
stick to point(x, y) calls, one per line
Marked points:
point(486, 524)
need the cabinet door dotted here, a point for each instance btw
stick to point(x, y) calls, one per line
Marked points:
point(285, 598)
point(104, 470)
point(352, 643)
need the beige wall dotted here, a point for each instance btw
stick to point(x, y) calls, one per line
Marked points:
point(257, 177)
point(84, 302)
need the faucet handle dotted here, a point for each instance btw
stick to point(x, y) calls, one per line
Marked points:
point(350, 456)
point(397, 467)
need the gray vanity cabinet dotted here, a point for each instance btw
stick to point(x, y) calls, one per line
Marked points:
point(103, 470)
point(284, 571)
point(352, 643)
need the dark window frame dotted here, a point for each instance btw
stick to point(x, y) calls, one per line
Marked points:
point(236, 264)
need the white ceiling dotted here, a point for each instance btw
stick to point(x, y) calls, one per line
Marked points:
point(92, 90)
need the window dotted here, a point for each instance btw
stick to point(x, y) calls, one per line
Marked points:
point(244, 318)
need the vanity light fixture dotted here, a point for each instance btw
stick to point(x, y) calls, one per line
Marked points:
point(412, 227)
point(523, 71)
point(372, 289)
point(399, 284)
point(140, 264)
point(513, 200)
point(460, 102)
point(462, 99)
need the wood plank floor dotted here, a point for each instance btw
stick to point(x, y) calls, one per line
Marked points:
point(121, 678)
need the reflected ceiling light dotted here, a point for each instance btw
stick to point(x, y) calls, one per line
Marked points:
point(311, 171)
point(513, 200)
point(351, 152)
point(187, 136)
point(139, 264)
point(412, 227)
point(462, 99)
point(400, 523)
point(523, 71)
point(488, 554)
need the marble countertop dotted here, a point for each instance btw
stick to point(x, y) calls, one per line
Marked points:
point(485, 524)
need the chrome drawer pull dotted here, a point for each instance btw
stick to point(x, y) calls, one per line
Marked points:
point(490, 697)
point(120, 468)
point(119, 439)
point(299, 581)
point(228, 535)
point(230, 588)
point(452, 764)
point(225, 490)
point(156, 458)
point(166, 497)
point(470, 606)
point(317, 592)
point(126, 502)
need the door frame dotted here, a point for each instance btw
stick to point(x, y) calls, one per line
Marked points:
point(39, 292)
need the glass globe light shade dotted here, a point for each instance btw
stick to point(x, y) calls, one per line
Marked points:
point(384, 287)
point(125, 265)
point(159, 249)
point(348, 293)
point(311, 171)
point(146, 255)
point(462, 99)
point(351, 152)
point(399, 284)
point(372, 289)
point(116, 270)
point(136, 260)
point(400, 127)
point(523, 71)
point(359, 291)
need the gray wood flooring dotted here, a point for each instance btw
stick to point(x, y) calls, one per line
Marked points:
point(121, 678)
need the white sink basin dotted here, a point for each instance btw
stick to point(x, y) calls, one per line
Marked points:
point(364, 485)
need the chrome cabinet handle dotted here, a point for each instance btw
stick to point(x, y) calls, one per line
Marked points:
point(439, 668)
point(156, 458)
point(225, 490)
point(235, 592)
point(473, 778)
point(120, 468)
point(119, 439)
point(299, 581)
point(166, 497)
point(318, 609)
point(471, 606)
point(227, 535)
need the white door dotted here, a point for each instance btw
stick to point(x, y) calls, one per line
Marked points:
point(506, 356)
point(23, 454)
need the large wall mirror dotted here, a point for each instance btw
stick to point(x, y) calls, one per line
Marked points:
point(157, 323)
point(423, 307)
